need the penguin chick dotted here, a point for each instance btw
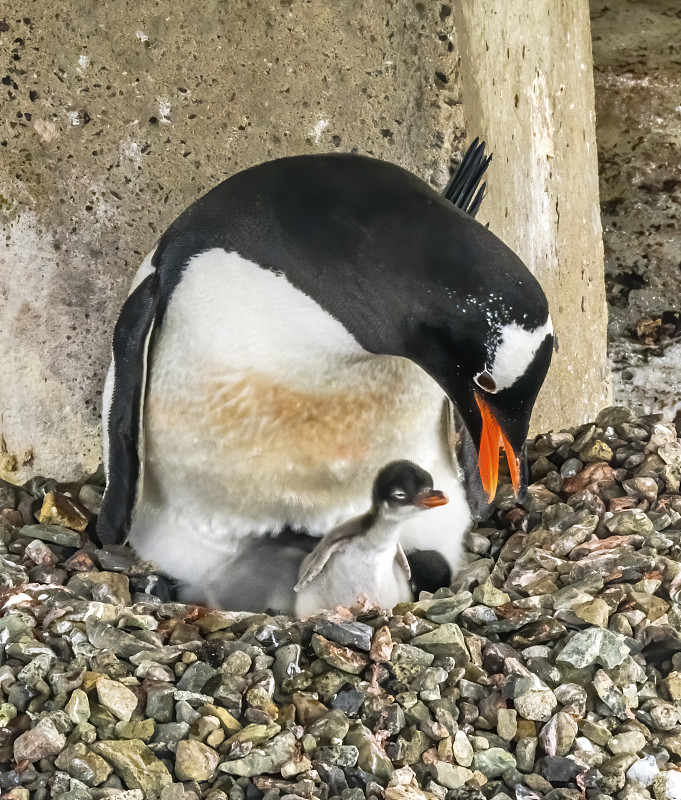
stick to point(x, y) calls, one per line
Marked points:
point(363, 557)
point(263, 573)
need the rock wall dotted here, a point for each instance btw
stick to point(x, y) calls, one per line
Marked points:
point(116, 119)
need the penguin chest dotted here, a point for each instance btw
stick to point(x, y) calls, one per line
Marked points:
point(276, 430)
point(261, 399)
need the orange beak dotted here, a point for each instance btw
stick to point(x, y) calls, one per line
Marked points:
point(488, 458)
point(431, 499)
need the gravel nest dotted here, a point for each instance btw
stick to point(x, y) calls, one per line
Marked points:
point(550, 669)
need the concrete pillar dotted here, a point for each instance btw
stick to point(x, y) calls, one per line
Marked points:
point(527, 82)
point(115, 119)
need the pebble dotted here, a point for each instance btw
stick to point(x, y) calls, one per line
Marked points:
point(346, 632)
point(595, 612)
point(665, 716)
point(477, 543)
point(507, 723)
point(611, 695)
point(449, 775)
point(667, 785)
point(627, 742)
point(343, 658)
point(59, 509)
point(271, 757)
point(195, 761)
point(558, 735)
point(136, 764)
point(525, 751)
point(672, 685)
point(595, 646)
point(55, 534)
point(549, 668)
point(462, 750)
point(84, 765)
point(643, 771)
point(595, 731)
point(105, 587)
point(78, 707)
point(117, 698)
point(493, 762)
point(536, 704)
point(559, 769)
point(488, 595)
point(629, 521)
point(43, 741)
point(341, 755)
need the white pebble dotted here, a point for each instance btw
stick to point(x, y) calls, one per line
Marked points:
point(667, 785)
point(643, 771)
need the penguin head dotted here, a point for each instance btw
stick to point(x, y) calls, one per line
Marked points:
point(492, 371)
point(504, 389)
point(401, 488)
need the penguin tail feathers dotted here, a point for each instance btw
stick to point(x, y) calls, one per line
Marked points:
point(464, 189)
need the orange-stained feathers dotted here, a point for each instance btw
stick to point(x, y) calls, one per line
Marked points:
point(488, 458)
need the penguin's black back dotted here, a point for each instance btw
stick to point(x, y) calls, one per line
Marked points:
point(381, 231)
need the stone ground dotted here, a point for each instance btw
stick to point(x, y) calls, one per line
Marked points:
point(637, 69)
point(550, 669)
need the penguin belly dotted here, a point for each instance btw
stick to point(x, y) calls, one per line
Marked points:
point(262, 412)
point(356, 575)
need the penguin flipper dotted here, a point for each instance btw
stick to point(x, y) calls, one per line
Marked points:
point(315, 562)
point(125, 434)
point(464, 188)
point(401, 558)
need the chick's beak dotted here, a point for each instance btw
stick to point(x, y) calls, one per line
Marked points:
point(488, 458)
point(431, 498)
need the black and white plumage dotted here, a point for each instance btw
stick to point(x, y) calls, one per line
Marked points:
point(301, 325)
point(362, 561)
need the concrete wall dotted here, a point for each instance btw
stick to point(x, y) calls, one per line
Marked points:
point(117, 115)
point(527, 77)
point(116, 119)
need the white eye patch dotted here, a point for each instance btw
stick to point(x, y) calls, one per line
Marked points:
point(514, 354)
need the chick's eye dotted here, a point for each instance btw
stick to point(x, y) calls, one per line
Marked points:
point(485, 381)
point(398, 495)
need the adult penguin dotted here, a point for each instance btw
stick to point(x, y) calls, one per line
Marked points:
point(301, 325)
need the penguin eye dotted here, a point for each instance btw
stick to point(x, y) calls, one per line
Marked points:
point(485, 381)
point(398, 494)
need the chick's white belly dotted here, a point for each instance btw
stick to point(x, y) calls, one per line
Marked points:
point(356, 574)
